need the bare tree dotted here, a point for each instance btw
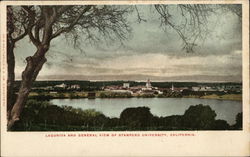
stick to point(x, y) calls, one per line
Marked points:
point(234, 8)
point(16, 30)
point(191, 24)
point(192, 20)
point(48, 22)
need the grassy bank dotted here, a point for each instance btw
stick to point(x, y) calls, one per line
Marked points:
point(108, 94)
point(237, 97)
point(61, 95)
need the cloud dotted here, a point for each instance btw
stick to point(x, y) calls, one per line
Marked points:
point(149, 51)
point(157, 65)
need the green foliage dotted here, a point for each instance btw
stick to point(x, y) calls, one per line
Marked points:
point(73, 95)
point(173, 122)
point(146, 95)
point(136, 117)
point(41, 97)
point(199, 117)
point(44, 113)
point(115, 95)
point(220, 125)
point(44, 116)
point(173, 94)
point(238, 119)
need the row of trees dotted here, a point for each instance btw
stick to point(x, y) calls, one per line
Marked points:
point(95, 23)
point(39, 115)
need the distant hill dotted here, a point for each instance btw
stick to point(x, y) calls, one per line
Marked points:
point(195, 78)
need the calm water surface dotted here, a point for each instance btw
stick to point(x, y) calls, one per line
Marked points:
point(224, 109)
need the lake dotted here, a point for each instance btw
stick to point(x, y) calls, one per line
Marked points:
point(225, 109)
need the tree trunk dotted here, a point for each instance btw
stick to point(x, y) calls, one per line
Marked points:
point(11, 76)
point(10, 61)
point(34, 65)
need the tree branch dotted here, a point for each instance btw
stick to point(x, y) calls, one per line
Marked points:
point(21, 36)
point(62, 9)
point(31, 24)
point(66, 29)
point(139, 16)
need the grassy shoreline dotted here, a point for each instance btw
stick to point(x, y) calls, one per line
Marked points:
point(232, 97)
point(236, 97)
point(76, 95)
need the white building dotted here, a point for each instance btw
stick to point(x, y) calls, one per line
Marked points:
point(195, 88)
point(159, 92)
point(63, 85)
point(172, 89)
point(122, 91)
point(75, 86)
point(125, 85)
point(148, 84)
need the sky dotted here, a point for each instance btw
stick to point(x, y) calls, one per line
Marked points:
point(149, 53)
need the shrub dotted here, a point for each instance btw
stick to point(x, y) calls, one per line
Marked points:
point(221, 125)
point(136, 117)
point(238, 119)
point(199, 117)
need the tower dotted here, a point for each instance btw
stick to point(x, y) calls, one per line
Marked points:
point(148, 84)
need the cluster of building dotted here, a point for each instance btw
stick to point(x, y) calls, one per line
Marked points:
point(147, 89)
point(235, 88)
point(59, 86)
point(64, 86)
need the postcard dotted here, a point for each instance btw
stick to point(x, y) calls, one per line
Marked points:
point(125, 78)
